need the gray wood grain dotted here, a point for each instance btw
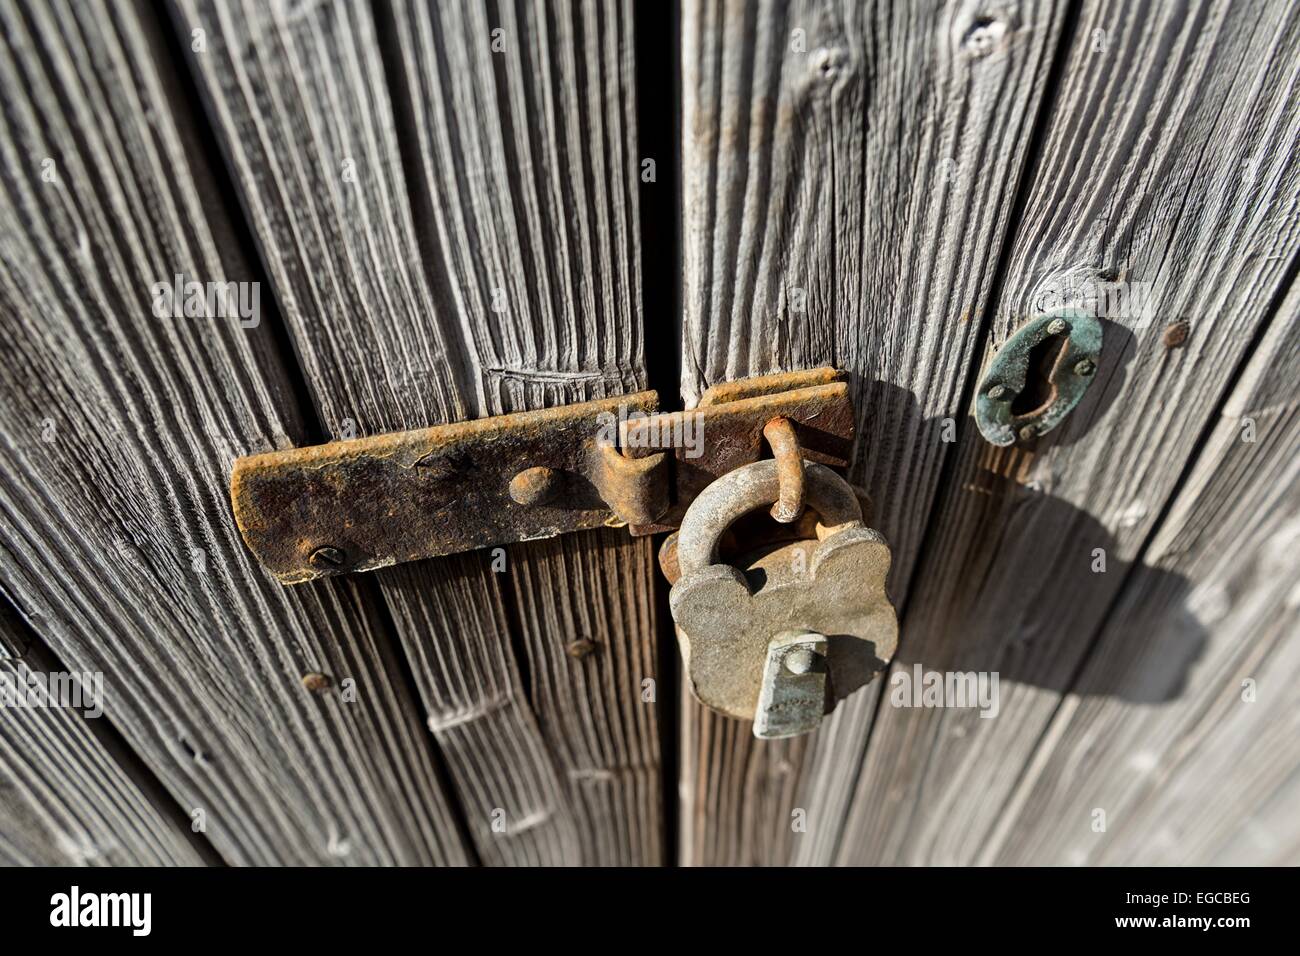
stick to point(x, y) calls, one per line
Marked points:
point(1169, 158)
point(117, 429)
point(1227, 792)
point(496, 269)
point(67, 798)
point(526, 188)
point(848, 173)
point(527, 192)
point(1219, 601)
point(1269, 834)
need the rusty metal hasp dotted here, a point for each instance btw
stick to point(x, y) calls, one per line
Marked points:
point(372, 502)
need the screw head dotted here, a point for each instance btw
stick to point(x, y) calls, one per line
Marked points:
point(1027, 432)
point(798, 661)
point(328, 557)
point(999, 392)
point(533, 486)
point(1057, 326)
point(1085, 368)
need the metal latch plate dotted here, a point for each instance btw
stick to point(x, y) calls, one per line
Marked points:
point(371, 502)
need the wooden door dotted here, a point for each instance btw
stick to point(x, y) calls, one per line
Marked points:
point(457, 210)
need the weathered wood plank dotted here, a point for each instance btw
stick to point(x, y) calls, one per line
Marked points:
point(848, 172)
point(1216, 600)
point(1269, 835)
point(67, 797)
point(1169, 159)
point(527, 182)
point(117, 428)
point(1229, 789)
point(520, 289)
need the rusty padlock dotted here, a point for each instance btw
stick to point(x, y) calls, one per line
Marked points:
point(797, 626)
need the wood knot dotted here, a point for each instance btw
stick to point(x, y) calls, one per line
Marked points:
point(827, 63)
point(983, 36)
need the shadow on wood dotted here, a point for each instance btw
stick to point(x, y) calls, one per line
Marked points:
point(1015, 518)
point(1006, 555)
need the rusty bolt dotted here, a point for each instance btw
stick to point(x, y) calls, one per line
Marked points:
point(1176, 334)
point(533, 486)
point(1085, 368)
point(316, 683)
point(328, 557)
point(580, 648)
point(998, 392)
point(1057, 326)
point(1028, 432)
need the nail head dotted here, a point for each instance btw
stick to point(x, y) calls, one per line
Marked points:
point(316, 683)
point(580, 648)
point(1176, 334)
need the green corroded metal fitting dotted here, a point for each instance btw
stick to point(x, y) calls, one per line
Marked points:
point(1038, 376)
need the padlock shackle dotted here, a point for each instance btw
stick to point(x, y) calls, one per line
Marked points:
point(750, 487)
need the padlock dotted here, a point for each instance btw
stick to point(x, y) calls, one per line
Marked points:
point(796, 627)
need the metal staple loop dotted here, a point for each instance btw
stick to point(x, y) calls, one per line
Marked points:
point(781, 437)
point(741, 491)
